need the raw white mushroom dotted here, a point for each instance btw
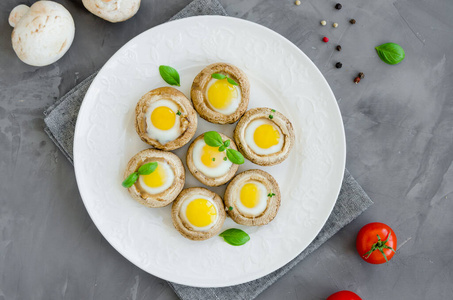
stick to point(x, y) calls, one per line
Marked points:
point(113, 10)
point(42, 33)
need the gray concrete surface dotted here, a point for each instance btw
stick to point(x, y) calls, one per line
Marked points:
point(398, 123)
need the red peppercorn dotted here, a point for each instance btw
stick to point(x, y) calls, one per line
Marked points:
point(357, 80)
point(325, 39)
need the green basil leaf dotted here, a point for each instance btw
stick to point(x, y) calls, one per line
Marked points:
point(130, 180)
point(148, 168)
point(235, 156)
point(213, 139)
point(222, 148)
point(390, 53)
point(218, 76)
point(170, 75)
point(232, 81)
point(226, 143)
point(235, 237)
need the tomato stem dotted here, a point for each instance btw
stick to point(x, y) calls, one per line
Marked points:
point(380, 245)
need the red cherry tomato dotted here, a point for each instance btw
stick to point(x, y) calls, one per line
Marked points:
point(376, 243)
point(344, 295)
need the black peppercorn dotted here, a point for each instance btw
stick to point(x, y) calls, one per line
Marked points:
point(352, 21)
point(338, 6)
point(338, 48)
point(361, 75)
point(338, 65)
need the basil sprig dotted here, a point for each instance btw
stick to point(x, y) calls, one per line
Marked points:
point(145, 169)
point(235, 156)
point(213, 139)
point(390, 53)
point(221, 76)
point(235, 237)
point(130, 180)
point(170, 75)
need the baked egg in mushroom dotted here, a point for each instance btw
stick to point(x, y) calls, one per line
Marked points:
point(198, 213)
point(253, 198)
point(165, 119)
point(161, 186)
point(264, 136)
point(220, 93)
point(209, 165)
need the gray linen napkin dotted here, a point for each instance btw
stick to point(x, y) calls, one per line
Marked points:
point(352, 201)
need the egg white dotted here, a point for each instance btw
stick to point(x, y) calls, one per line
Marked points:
point(163, 136)
point(250, 131)
point(170, 178)
point(184, 208)
point(220, 170)
point(234, 102)
point(262, 202)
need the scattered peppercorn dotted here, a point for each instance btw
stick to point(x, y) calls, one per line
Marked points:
point(338, 48)
point(338, 65)
point(352, 21)
point(323, 23)
point(361, 75)
point(356, 80)
point(297, 2)
point(325, 39)
point(338, 6)
point(335, 25)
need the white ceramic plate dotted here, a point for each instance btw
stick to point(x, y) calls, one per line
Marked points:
point(281, 77)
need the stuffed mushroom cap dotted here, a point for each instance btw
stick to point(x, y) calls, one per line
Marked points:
point(198, 213)
point(253, 198)
point(163, 185)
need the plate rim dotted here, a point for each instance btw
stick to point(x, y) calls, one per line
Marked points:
point(342, 141)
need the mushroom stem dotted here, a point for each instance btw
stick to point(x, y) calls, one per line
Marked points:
point(17, 13)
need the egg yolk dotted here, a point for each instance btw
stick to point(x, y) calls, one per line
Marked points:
point(250, 195)
point(201, 212)
point(163, 118)
point(211, 157)
point(156, 178)
point(221, 93)
point(266, 136)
